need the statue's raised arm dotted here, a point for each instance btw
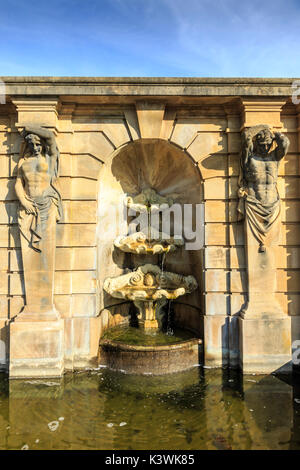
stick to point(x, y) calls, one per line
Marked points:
point(282, 145)
point(44, 134)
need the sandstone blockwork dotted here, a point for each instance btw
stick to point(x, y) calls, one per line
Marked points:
point(178, 136)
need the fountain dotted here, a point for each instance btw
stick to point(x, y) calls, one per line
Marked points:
point(151, 288)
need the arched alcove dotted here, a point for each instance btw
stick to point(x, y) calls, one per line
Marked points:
point(142, 164)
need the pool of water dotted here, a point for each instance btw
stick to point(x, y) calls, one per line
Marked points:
point(138, 336)
point(197, 409)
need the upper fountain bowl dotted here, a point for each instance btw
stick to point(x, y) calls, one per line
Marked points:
point(155, 243)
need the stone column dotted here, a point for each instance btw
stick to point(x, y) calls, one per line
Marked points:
point(37, 332)
point(220, 337)
point(265, 330)
point(298, 126)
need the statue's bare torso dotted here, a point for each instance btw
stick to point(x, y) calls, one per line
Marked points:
point(261, 174)
point(36, 177)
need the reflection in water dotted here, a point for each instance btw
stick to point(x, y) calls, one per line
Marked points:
point(197, 409)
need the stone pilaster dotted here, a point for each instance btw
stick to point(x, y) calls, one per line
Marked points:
point(36, 349)
point(41, 112)
point(264, 329)
point(298, 125)
point(37, 333)
point(262, 111)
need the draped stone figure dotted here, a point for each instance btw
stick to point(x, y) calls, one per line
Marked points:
point(259, 205)
point(39, 210)
point(260, 202)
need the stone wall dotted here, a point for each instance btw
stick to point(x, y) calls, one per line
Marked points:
point(92, 119)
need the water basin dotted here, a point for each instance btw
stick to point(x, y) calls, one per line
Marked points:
point(139, 351)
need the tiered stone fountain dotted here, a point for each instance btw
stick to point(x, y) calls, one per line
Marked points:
point(150, 288)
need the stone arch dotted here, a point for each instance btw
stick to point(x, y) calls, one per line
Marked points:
point(170, 170)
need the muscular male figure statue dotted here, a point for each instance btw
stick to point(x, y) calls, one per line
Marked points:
point(262, 152)
point(35, 185)
point(40, 209)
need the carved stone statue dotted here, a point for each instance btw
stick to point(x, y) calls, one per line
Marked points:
point(39, 211)
point(259, 205)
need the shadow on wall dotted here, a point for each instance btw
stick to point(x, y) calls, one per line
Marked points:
point(221, 172)
point(224, 170)
point(288, 275)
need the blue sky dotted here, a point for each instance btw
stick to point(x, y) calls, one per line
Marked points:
point(207, 38)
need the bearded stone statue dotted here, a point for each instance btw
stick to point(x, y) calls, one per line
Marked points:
point(259, 199)
point(39, 210)
point(259, 206)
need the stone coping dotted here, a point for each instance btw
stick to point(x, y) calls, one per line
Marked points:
point(148, 86)
point(147, 80)
point(118, 345)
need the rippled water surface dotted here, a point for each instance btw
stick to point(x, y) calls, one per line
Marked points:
point(139, 336)
point(198, 409)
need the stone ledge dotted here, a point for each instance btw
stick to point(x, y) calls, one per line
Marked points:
point(148, 86)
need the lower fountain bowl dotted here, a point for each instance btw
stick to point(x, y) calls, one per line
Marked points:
point(155, 360)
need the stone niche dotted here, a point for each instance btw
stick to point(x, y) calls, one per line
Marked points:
point(160, 165)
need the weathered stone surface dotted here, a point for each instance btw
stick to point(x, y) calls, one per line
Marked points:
point(152, 86)
point(120, 136)
point(217, 257)
point(4, 344)
point(76, 235)
point(216, 234)
point(36, 349)
point(216, 211)
point(216, 340)
point(154, 360)
point(81, 342)
point(150, 116)
point(40, 112)
point(216, 280)
point(265, 344)
point(80, 165)
point(205, 145)
point(216, 304)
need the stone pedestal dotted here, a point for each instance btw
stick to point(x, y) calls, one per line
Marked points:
point(146, 316)
point(265, 344)
point(36, 349)
point(262, 275)
point(149, 324)
point(39, 268)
